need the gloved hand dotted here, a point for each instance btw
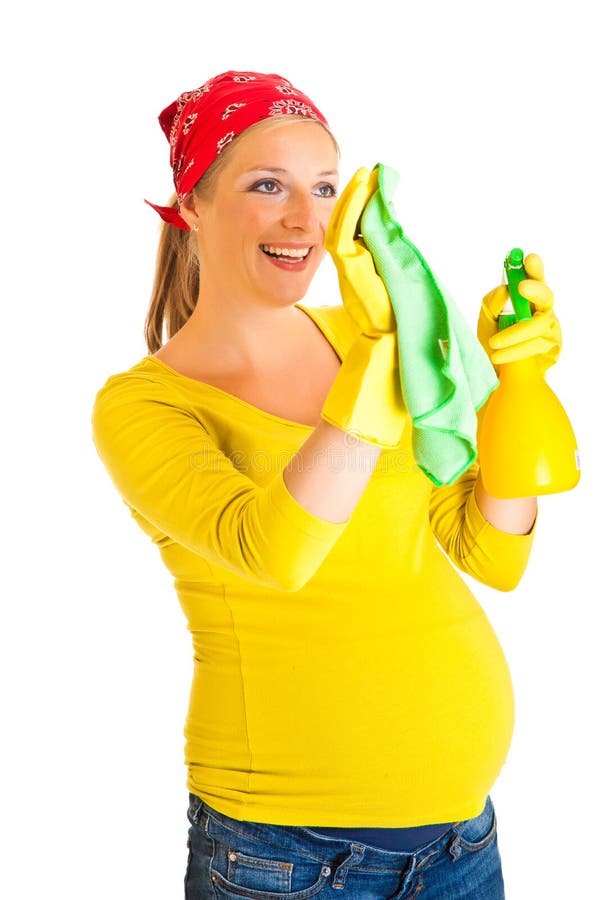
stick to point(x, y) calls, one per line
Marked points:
point(365, 398)
point(539, 336)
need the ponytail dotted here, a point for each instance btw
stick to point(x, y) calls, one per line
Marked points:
point(176, 284)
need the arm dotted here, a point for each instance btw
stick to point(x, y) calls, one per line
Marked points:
point(166, 467)
point(329, 473)
point(512, 516)
point(494, 556)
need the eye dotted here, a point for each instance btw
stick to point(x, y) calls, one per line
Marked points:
point(326, 190)
point(267, 186)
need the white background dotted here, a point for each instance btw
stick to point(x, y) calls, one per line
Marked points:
point(495, 115)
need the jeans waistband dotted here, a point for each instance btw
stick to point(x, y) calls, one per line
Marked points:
point(308, 842)
point(403, 840)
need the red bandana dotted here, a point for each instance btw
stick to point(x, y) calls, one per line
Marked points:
point(201, 123)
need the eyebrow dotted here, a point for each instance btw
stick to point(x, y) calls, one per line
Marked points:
point(275, 170)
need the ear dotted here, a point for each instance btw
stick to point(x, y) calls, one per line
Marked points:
point(189, 212)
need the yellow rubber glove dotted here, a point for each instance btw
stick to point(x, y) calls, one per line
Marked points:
point(365, 398)
point(539, 336)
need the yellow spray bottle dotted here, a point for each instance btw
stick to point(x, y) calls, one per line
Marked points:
point(526, 443)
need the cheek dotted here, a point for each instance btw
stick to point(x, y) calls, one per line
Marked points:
point(256, 220)
point(327, 213)
point(242, 228)
point(253, 223)
point(250, 224)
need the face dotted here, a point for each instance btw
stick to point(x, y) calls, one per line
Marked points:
point(261, 234)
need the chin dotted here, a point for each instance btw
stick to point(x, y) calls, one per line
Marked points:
point(290, 297)
point(292, 289)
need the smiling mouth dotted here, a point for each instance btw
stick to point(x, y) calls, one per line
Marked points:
point(286, 253)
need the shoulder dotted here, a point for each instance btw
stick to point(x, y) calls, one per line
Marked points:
point(124, 394)
point(146, 378)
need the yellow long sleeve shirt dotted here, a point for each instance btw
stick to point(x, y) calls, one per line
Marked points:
point(344, 674)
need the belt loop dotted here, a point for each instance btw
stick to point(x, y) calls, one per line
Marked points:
point(357, 852)
point(455, 847)
point(197, 811)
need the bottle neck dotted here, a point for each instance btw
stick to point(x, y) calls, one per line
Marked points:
point(521, 370)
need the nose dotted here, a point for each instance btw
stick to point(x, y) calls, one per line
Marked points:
point(300, 212)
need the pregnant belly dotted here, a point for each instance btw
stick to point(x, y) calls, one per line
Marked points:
point(401, 725)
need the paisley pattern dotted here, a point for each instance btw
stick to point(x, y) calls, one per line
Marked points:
point(291, 108)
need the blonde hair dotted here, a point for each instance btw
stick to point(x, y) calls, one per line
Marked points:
point(176, 280)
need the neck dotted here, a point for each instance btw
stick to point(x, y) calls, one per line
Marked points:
point(241, 336)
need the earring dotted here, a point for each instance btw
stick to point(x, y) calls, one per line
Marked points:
point(195, 227)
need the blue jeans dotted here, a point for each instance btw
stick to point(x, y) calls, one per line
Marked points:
point(229, 859)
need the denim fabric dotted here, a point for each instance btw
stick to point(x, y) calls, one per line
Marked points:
point(229, 859)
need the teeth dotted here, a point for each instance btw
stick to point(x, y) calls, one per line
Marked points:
point(284, 251)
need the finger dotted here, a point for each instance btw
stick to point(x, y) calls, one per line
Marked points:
point(534, 266)
point(538, 293)
point(495, 301)
point(540, 325)
point(537, 347)
point(338, 237)
point(342, 226)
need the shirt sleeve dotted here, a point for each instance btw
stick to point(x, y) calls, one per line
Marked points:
point(166, 467)
point(493, 557)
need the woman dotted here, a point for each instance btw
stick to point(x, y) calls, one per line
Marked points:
point(351, 707)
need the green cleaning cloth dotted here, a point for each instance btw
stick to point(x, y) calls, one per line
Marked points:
point(445, 374)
